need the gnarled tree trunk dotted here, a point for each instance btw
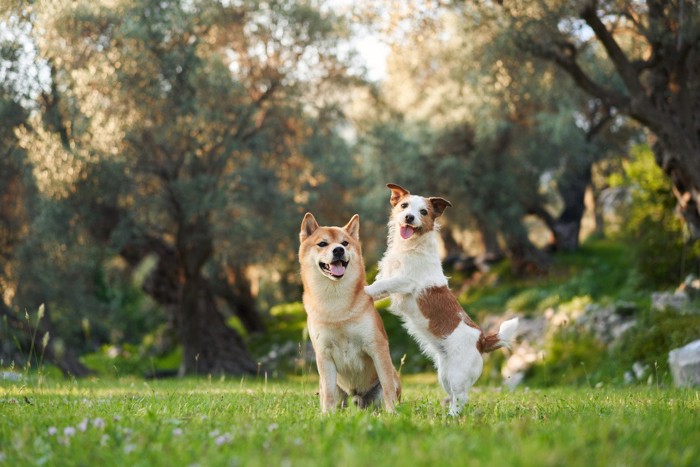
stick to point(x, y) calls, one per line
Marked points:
point(525, 257)
point(234, 287)
point(209, 344)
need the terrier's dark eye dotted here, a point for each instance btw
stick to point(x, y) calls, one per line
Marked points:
point(322, 244)
point(404, 205)
point(424, 212)
point(344, 243)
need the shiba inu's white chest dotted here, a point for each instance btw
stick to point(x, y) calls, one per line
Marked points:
point(347, 346)
point(342, 347)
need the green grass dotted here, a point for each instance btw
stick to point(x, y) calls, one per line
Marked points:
point(251, 423)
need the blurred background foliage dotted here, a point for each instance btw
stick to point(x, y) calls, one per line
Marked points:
point(157, 158)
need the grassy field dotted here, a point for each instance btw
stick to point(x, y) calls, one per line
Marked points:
point(228, 422)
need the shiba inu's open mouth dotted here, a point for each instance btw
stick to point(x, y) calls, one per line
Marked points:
point(334, 270)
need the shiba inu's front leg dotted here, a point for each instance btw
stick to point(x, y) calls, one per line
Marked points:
point(383, 287)
point(387, 380)
point(327, 381)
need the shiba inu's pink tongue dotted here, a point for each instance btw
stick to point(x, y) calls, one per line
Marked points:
point(337, 268)
point(406, 231)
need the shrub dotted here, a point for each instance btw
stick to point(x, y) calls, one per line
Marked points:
point(651, 225)
point(650, 341)
point(570, 358)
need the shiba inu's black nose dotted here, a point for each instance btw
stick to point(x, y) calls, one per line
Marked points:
point(338, 252)
point(410, 218)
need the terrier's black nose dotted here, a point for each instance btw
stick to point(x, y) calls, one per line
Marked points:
point(410, 218)
point(338, 251)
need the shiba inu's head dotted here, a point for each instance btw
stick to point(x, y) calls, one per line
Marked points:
point(332, 252)
point(414, 215)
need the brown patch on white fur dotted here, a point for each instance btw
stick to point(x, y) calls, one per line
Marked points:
point(444, 313)
point(347, 333)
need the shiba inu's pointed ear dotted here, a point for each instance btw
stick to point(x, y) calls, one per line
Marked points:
point(397, 192)
point(353, 227)
point(308, 226)
point(439, 205)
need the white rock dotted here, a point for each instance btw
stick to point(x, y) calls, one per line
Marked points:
point(661, 301)
point(10, 376)
point(685, 365)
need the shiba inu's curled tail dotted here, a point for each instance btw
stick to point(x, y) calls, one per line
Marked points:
point(502, 339)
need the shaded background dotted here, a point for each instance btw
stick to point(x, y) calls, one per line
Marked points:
point(158, 156)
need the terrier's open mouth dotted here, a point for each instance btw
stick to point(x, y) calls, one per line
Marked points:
point(334, 270)
point(407, 231)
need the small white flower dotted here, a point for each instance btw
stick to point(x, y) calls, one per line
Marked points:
point(82, 426)
point(2, 457)
point(214, 433)
point(117, 418)
point(52, 430)
point(129, 448)
point(177, 431)
point(69, 431)
point(104, 440)
point(98, 423)
point(297, 442)
point(223, 439)
point(272, 427)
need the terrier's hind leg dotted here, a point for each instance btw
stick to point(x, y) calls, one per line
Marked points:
point(461, 378)
point(457, 403)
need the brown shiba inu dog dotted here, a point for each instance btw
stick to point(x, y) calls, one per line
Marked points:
point(347, 333)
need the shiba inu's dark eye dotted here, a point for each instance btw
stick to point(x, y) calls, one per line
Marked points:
point(322, 244)
point(404, 205)
point(344, 243)
point(424, 212)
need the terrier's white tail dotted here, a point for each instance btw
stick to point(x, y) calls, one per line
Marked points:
point(502, 339)
point(507, 331)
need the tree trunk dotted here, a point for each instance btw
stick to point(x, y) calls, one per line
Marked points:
point(210, 345)
point(493, 252)
point(452, 248)
point(525, 257)
point(235, 288)
point(572, 188)
point(686, 187)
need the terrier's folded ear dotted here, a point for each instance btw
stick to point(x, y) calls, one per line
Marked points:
point(397, 192)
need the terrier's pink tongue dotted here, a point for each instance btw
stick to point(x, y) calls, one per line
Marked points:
point(406, 231)
point(337, 268)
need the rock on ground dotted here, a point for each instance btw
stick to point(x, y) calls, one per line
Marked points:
point(685, 365)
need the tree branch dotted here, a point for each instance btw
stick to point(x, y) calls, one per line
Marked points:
point(567, 62)
point(622, 64)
